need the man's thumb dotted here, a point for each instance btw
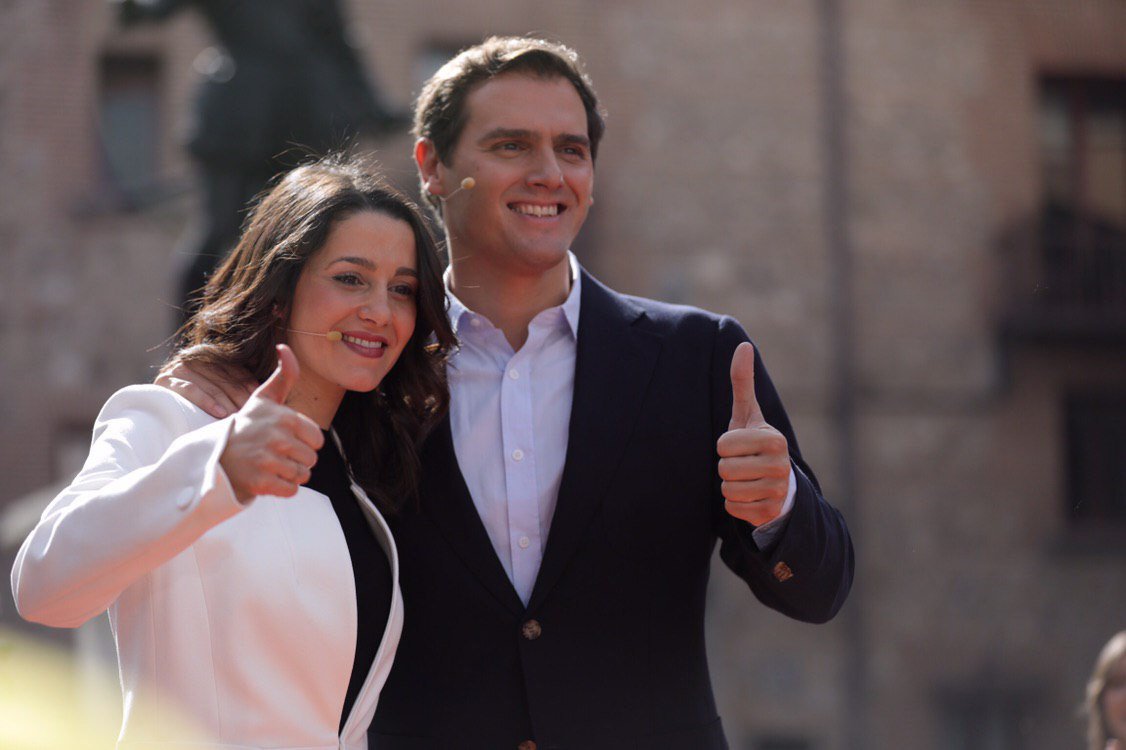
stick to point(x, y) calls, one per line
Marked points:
point(281, 382)
point(744, 405)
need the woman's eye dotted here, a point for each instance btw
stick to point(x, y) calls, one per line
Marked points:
point(403, 290)
point(348, 279)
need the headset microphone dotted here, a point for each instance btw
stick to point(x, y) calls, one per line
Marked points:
point(467, 184)
point(331, 335)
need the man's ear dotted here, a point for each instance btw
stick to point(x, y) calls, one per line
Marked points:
point(429, 166)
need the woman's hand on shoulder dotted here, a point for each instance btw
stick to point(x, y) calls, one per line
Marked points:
point(218, 392)
point(272, 447)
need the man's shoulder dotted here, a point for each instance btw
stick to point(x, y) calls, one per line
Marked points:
point(673, 312)
point(664, 314)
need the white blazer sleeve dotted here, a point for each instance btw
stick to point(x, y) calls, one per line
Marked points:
point(151, 486)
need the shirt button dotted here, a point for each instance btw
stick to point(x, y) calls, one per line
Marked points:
point(517, 455)
point(184, 499)
point(524, 542)
point(531, 630)
point(475, 322)
point(514, 374)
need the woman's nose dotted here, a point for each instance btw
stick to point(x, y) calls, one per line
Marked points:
point(377, 309)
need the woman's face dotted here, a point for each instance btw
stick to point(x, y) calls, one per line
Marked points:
point(363, 283)
point(1114, 699)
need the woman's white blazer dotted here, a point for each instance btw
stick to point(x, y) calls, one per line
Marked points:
point(240, 617)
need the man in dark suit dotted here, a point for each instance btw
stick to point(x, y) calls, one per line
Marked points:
point(597, 447)
point(561, 605)
point(284, 78)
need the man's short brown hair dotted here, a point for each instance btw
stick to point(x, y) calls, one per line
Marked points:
point(440, 113)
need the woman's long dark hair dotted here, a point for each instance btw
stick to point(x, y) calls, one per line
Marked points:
point(238, 324)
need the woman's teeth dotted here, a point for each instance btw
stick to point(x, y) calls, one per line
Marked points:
point(364, 342)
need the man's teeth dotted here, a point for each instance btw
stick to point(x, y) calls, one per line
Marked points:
point(532, 210)
point(364, 342)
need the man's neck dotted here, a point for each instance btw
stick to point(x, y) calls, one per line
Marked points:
point(510, 301)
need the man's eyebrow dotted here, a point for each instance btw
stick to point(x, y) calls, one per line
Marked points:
point(573, 139)
point(500, 133)
point(530, 135)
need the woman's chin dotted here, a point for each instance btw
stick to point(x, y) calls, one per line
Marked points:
point(362, 385)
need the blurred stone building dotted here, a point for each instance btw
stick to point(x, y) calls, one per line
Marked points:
point(917, 209)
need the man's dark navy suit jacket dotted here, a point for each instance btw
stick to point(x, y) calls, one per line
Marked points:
point(609, 653)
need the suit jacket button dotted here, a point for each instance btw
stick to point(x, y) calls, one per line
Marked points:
point(527, 744)
point(531, 630)
point(782, 572)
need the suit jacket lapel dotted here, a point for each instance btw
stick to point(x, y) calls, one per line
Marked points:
point(614, 362)
point(447, 502)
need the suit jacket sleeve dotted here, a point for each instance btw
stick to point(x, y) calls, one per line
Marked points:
point(150, 487)
point(808, 572)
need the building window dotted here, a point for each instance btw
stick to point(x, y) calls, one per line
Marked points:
point(1083, 156)
point(1096, 458)
point(1083, 139)
point(129, 108)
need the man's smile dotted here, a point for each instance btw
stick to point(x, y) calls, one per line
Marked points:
point(535, 209)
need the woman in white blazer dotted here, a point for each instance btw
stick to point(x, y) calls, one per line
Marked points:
point(250, 577)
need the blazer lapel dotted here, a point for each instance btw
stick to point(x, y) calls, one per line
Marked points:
point(447, 502)
point(613, 366)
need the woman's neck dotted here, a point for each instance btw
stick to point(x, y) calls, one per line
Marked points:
point(317, 403)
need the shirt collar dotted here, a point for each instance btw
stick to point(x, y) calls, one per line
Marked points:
point(570, 307)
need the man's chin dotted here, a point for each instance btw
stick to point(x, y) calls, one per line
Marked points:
point(543, 259)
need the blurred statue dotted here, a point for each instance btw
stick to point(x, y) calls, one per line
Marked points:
point(284, 80)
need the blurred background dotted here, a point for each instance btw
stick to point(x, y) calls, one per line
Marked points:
point(917, 210)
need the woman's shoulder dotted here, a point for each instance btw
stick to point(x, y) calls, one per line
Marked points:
point(153, 403)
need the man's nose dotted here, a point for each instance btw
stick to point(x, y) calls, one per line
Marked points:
point(546, 170)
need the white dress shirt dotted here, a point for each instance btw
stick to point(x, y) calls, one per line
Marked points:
point(521, 402)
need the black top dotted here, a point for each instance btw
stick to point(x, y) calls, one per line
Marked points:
point(369, 564)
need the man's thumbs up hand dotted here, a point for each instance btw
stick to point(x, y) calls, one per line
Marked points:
point(271, 447)
point(744, 405)
point(754, 459)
